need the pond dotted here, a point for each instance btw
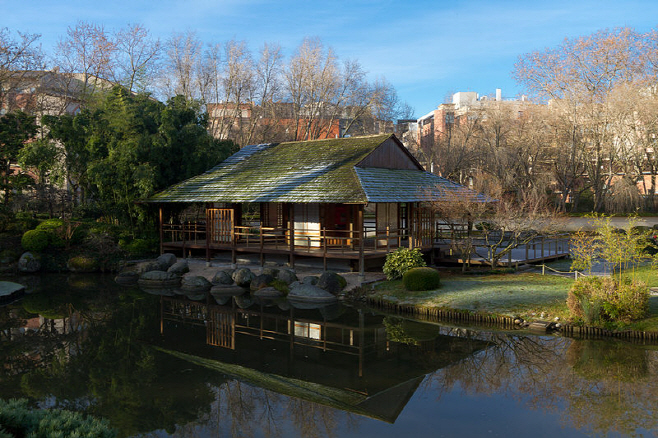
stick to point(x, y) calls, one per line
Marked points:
point(160, 364)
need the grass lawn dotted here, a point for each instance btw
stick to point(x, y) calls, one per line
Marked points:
point(521, 294)
point(527, 295)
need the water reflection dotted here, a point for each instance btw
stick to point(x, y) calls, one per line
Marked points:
point(170, 365)
point(350, 360)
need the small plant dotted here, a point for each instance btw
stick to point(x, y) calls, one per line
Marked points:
point(17, 419)
point(418, 279)
point(281, 286)
point(602, 298)
point(35, 240)
point(401, 260)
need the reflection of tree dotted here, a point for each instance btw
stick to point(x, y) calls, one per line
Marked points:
point(97, 364)
point(603, 386)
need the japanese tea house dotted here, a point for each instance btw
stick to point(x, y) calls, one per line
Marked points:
point(352, 198)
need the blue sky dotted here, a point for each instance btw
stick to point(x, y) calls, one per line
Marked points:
point(426, 49)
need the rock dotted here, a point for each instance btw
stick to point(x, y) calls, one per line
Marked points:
point(195, 283)
point(268, 292)
point(127, 277)
point(260, 281)
point(151, 265)
point(243, 277)
point(9, 291)
point(270, 271)
point(179, 268)
point(223, 277)
point(221, 300)
point(310, 293)
point(294, 284)
point(195, 295)
point(287, 275)
point(310, 279)
point(29, 263)
point(244, 301)
point(227, 290)
point(331, 282)
point(167, 292)
point(158, 279)
point(167, 260)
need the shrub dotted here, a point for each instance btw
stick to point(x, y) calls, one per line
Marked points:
point(602, 298)
point(401, 260)
point(35, 240)
point(18, 419)
point(83, 264)
point(139, 247)
point(421, 279)
point(281, 286)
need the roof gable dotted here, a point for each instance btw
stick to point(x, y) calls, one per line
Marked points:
point(391, 154)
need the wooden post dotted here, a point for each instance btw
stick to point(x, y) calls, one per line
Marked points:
point(234, 244)
point(208, 231)
point(362, 268)
point(542, 248)
point(161, 231)
point(412, 222)
point(291, 227)
point(184, 237)
point(262, 256)
point(323, 236)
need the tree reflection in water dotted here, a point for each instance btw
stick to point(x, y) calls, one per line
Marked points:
point(598, 386)
point(87, 351)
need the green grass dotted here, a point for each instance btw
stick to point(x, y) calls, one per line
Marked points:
point(525, 294)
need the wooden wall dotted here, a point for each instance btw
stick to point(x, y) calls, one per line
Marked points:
point(390, 155)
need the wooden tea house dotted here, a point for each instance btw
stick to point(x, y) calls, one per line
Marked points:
point(352, 198)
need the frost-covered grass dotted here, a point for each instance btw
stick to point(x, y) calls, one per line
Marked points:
point(521, 294)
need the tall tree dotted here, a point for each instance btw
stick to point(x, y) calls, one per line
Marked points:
point(87, 52)
point(137, 57)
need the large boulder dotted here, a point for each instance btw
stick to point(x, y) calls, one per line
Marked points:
point(310, 279)
point(223, 277)
point(179, 268)
point(261, 281)
point(150, 265)
point(166, 260)
point(195, 283)
point(227, 290)
point(331, 282)
point(310, 293)
point(29, 262)
point(127, 277)
point(287, 275)
point(243, 277)
point(158, 279)
point(270, 271)
point(268, 292)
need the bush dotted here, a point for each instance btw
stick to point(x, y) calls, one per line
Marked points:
point(17, 419)
point(35, 240)
point(400, 261)
point(83, 264)
point(602, 298)
point(421, 279)
point(139, 247)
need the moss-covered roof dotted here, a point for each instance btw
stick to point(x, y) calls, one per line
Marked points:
point(303, 172)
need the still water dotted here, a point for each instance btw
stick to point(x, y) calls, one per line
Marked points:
point(166, 365)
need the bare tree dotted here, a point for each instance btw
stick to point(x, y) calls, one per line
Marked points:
point(87, 52)
point(137, 57)
point(20, 58)
point(183, 53)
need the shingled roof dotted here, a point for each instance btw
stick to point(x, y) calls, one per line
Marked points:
point(322, 171)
